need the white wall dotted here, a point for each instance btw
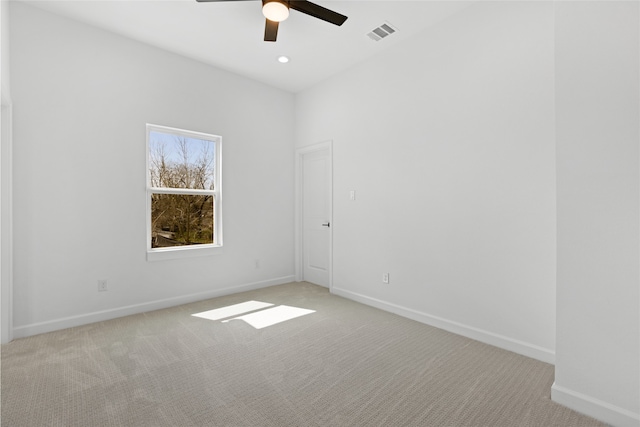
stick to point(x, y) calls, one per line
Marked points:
point(448, 141)
point(82, 98)
point(5, 178)
point(5, 69)
point(598, 171)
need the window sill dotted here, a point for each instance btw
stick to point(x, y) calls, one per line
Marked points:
point(184, 252)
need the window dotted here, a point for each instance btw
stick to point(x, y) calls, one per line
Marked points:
point(184, 197)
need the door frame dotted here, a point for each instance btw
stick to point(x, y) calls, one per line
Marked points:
point(299, 231)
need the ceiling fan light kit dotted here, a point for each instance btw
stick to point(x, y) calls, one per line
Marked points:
point(276, 11)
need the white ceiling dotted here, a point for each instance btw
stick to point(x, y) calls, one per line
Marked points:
point(229, 35)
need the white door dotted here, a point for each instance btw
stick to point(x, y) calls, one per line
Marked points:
point(316, 216)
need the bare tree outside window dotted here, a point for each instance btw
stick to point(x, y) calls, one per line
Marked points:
point(180, 162)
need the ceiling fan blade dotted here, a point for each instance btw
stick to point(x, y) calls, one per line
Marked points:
point(270, 31)
point(317, 11)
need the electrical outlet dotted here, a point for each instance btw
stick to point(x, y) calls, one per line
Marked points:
point(385, 278)
point(352, 195)
point(102, 286)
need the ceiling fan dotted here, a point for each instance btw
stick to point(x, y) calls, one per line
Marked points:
point(276, 11)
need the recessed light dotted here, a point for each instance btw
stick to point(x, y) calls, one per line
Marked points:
point(283, 59)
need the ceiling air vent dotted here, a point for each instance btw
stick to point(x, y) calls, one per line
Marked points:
point(381, 32)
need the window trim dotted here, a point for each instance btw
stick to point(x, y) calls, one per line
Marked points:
point(158, 254)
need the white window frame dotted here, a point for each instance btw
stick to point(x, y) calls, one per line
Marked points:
point(158, 254)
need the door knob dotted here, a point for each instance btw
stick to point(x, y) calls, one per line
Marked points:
point(326, 224)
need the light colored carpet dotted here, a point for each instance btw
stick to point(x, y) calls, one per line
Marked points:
point(346, 364)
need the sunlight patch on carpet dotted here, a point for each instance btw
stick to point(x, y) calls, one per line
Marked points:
point(232, 310)
point(272, 316)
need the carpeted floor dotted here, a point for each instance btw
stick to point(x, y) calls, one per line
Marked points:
point(345, 364)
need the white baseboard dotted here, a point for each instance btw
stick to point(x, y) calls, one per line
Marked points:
point(516, 346)
point(99, 316)
point(594, 408)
